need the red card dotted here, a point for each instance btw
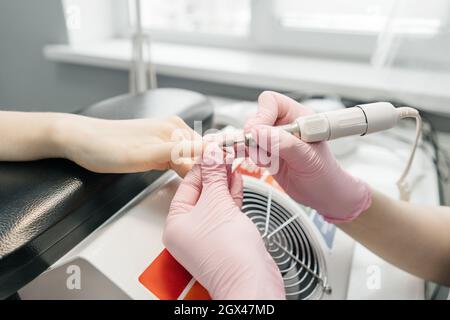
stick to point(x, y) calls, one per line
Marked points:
point(165, 277)
point(167, 280)
point(197, 292)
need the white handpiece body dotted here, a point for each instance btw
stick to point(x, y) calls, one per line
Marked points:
point(360, 120)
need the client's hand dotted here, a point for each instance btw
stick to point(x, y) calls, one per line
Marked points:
point(217, 243)
point(120, 146)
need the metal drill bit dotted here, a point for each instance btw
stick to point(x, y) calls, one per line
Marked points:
point(248, 139)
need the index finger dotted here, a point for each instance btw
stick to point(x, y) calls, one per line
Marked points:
point(276, 109)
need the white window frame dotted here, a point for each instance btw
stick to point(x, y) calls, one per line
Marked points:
point(103, 41)
point(268, 35)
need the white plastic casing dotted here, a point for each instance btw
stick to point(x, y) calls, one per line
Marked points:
point(359, 120)
point(314, 128)
point(380, 116)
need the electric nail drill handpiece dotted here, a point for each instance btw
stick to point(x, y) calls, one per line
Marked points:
point(359, 120)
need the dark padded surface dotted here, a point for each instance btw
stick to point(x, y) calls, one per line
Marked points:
point(48, 206)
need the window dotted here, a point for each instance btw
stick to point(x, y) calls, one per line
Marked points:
point(219, 17)
point(369, 16)
point(332, 28)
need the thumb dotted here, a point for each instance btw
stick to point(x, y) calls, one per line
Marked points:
point(216, 182)
point(216, 201)
point(213, 168)
point(236, 188)
point(188, 193)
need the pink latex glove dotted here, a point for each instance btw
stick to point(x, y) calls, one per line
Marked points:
point(207, 233)
point(308, 172)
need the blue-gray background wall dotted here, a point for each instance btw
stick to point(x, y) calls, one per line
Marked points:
point(29, 82)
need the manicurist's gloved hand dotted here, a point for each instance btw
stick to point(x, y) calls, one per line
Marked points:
point(309, 173)
point(218, 244)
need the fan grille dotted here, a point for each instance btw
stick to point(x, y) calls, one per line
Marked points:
point(288, 243)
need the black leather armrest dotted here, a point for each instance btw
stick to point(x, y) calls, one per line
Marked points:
point(49, 206)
